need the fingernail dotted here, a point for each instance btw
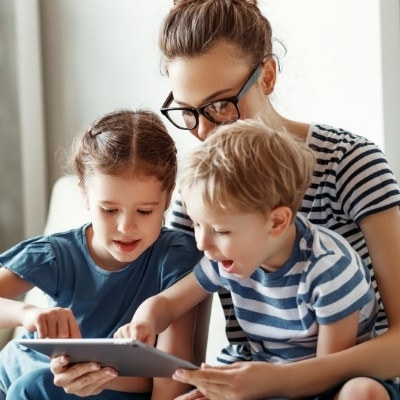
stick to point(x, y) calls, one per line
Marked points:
point(179, 373)
point(94, 367)
point(110, 372)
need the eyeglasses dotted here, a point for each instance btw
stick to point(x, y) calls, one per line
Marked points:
point(219, 112)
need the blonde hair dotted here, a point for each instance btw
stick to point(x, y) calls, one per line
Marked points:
point(126, 142)
point(248, 167)
point(192, 27)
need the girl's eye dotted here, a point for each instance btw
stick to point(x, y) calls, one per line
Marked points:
point(109, 210)
point(145, 212)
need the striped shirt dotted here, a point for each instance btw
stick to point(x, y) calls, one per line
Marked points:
point(323, 281)
point(352, 180)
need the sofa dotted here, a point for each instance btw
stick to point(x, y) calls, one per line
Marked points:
point(66, 211)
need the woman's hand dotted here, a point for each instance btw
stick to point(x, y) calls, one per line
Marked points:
point(243, 380)
point(50, 322)
point(82, 379)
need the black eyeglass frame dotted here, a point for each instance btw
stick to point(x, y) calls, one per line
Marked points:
point(196, 111)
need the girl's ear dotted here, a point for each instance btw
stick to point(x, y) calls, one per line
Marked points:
point(168, 199)
point(281, 218)
point(269, 75)
point(84, 194)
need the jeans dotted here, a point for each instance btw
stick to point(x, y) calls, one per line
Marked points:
point(38, 385)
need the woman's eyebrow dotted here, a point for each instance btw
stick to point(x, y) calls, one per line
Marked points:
point(207, 99)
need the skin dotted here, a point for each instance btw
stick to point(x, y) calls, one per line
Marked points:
point(126, 214)
point(218, 74)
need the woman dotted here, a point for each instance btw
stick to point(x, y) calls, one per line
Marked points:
point(221, 68)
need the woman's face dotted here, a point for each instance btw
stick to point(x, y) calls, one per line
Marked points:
point(213, 76)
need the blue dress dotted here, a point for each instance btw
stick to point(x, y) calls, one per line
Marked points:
point(101, 301)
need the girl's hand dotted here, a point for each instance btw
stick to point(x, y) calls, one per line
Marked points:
point(84, 379)
point(51, 322)
point(142, 331)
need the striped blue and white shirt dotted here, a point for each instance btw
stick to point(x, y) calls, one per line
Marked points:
point(352, 180)
point(323, 281)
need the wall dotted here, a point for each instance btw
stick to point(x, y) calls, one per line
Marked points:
point(11, 221)
point(100, 55)
point(390, 39)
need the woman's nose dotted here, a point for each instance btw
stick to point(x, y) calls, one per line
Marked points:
point(205, 128)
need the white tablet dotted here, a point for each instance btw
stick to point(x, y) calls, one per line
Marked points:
point(128, 357)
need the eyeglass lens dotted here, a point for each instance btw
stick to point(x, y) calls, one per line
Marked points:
point(218, 112)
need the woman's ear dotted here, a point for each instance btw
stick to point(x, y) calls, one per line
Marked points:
point(269, 75)
point(281, 218)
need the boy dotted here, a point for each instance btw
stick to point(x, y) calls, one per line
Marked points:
point(298, 290)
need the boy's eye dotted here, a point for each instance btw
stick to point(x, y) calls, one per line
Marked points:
point(109, 210)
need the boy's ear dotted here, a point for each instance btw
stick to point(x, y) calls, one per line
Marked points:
point(281, 218)
point(269, 75)
point(84, 195)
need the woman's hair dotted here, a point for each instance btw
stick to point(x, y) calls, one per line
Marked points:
point(248, 167)
point(192, 27)
point(126, 142)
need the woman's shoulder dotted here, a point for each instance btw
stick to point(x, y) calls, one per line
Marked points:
point(322, 136)
point(343, 148)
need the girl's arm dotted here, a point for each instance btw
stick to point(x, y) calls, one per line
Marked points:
point(48, 322)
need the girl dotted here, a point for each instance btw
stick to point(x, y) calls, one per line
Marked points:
point(97, 275)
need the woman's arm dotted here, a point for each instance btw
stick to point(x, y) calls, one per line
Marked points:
point(338, 336)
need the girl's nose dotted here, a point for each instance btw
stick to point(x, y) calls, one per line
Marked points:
point(126, 224)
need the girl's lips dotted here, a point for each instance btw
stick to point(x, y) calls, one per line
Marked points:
point(126, 247)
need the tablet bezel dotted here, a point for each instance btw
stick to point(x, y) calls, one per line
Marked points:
point(128, 357)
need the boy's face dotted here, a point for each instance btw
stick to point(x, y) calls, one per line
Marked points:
point(241, 242)
point(126, 214)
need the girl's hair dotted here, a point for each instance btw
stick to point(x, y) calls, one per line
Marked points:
point(126, 142)
point(248, 167)
point(192, 27)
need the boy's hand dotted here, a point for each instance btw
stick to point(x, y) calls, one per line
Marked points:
point(142, 331)
point(51, 322)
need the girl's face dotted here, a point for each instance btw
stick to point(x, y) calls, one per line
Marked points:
point(215, 75)
point(126, 214)
point(241, 242)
